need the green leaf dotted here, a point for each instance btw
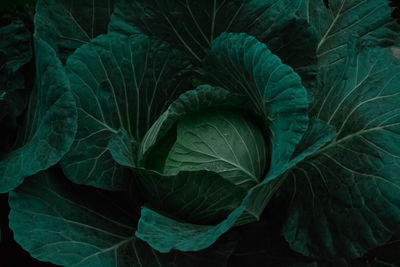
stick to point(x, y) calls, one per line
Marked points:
point(164, 233)
point(69, 24)
point(317, 130)
point(344, 199)
point(189, 25)
point(15, 52)
point(15, 47)
point(295, 44)
point(193, 25)
point(121, 149)
point(203, 98)
point(316, 136)
point(200, 197)
point(71, 225)
point(225, 143)
point(244, 65)
point(118, 82)
point(51, 122)
point(348, 19)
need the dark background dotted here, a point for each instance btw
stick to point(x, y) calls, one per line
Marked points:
point(11, 254)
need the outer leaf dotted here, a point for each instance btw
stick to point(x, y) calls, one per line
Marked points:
point(316, 136)
point(121, 149)
point(224, 143)
point(51, 122)
point(295, 44)
point(204, 97)
point(15, 51)
point(351, 184)
point(369, 20)
point(194, 196)
point(69, 24)
point(193, 25)
point(164, 233)
point(245, 65)
point(118, 82)
point(190, 25)
point(66, 224)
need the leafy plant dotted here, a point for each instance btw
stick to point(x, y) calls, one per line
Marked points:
point(203, 133)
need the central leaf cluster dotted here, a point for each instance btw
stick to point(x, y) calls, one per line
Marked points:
point(224, 143)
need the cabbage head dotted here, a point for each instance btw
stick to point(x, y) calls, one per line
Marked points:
point(203, 133)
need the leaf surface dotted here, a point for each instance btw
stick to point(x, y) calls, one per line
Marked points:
point(344, 199)
point(70, 225)
point(348, 19)
point(118, 82)
point(51, 122)
point(200, 197)
point(203, 98)
point(192, 26)
point(68, 24)
point(15, 52)
point(225, 143)
point(165, 233)
point(245, 65)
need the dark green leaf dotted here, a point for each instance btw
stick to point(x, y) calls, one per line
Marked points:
point(203, 98)
point(15, 47)
point(201, 197)
point(69, 24)
point(244, 65)
point(193, 25)
point(345, 198)
point(15, 52)
point(224, 143)
point(51, 122)
point(164, 234)
point(121, 149)
point(118, 82)
point(345, 19)
point(70, 225)
point(188, 25)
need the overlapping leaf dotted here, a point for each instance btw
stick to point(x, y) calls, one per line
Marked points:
point(192, 26)
point(69, 24)
point(118, 82)
point(15, 52)
point(224, 143)
point(164, 233)
point(244, 65)
point(344, 199)
point(336, 172)
point(66, 224)
point(203, 98)
point(50, 124)
point(345, 19)
point(200, 197)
